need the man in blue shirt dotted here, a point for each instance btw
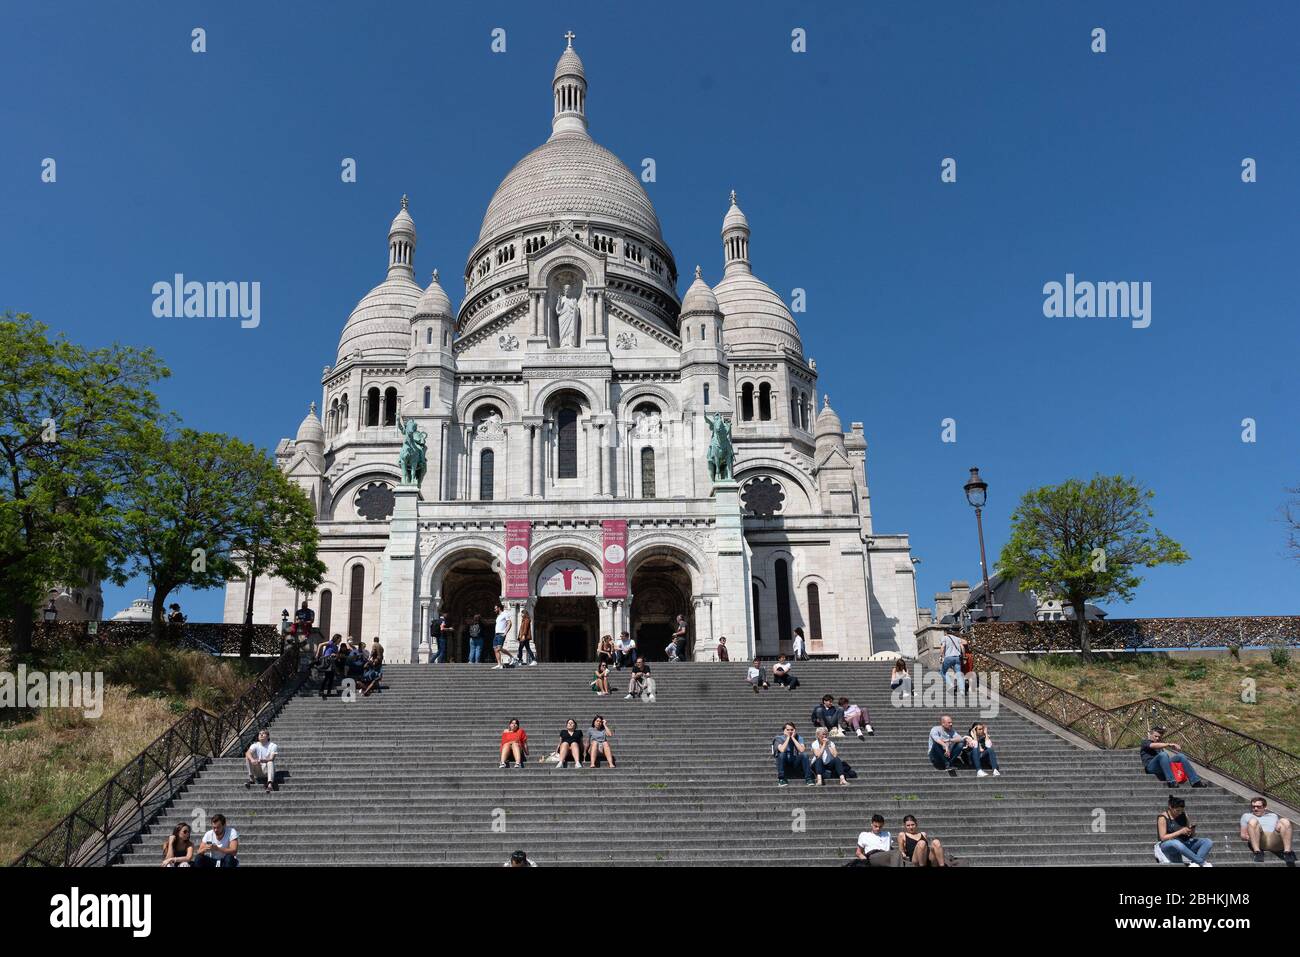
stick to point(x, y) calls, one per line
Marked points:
point(789, 751)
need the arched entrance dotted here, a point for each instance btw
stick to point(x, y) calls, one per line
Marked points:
point(470, 587)
point(661, 590)
point(566, 620)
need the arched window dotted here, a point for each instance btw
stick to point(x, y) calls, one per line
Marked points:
point(706, 393)
point(356, 600)
point(794, 408)
point(344, 422)
point(446, 336)
point(747, 402)
point(765, 402)
point(390, 406)
point(758, 618)
point(814, 613)
point(807, 406)
point(566, 427)
point(332, 425)
point(428, 335)
point(428, 396)
point(326, 609)
point(372, 406)
point(486, 475)
point(783, 601)
point(647, 472)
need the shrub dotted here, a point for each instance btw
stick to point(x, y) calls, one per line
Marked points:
point(1280, 657)
point(1196, 672)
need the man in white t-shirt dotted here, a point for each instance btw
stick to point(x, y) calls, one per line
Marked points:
point(500, 630)
point(260, 758)
point(1265, 830)
point(874, 846)
point(220, 845)
point(625, 651)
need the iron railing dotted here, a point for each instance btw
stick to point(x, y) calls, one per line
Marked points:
point(102, 826)
point(1127, 634)
point(216, 638)
point(1263, 768)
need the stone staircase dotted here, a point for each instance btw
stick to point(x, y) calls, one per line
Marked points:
point(410, 776)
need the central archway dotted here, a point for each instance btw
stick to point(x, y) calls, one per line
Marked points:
point(566, 620)
point(661, 590)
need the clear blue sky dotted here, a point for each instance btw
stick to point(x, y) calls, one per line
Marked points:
point(925, 299)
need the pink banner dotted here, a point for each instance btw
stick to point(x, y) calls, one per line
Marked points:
point(519, 537)
point(614, 557)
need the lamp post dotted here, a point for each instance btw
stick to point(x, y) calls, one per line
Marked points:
point(977, 493)
point(51, 613)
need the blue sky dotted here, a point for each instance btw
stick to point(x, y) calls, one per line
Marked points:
point(924, 298)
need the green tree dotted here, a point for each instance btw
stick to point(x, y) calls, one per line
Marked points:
point(1081, 542)
point(282, 542)
point(198, 499)
point(69, 418)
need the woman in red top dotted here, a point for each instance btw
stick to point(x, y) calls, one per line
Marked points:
point(514, 743)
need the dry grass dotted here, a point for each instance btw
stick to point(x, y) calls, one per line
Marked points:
point(1211, 688)
point(54, 760)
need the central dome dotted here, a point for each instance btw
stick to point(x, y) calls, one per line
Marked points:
point(570, 176)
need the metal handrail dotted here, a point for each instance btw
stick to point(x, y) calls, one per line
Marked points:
point(102, 826)
point(1262, 767)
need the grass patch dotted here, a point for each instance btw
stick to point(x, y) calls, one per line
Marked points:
point(1211, 687)
point(52, 760)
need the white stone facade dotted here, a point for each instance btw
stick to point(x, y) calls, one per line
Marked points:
point(569, 388)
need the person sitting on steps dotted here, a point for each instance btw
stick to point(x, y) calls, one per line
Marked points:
point(514, 744)
point(178, 849)
point(828, 714)
point(598, 742)
point(789, 751)
point(1177, 836)
point(219, 845)
point(637, 684)
point(918, 847)
point(856, 718)
point(947, 746)
point(1158, 756)
point(754, 675)
point(1264, 831)
point(600, 680)
point(570, 744)
point(624, 652)
point(981, 750)
point(260, 761)
point(782, 674)
point(374, 670)
point(899, 678)
point(874, 849)
point(826, 759)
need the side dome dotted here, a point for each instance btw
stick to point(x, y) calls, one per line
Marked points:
point(311, 431)
point(434, 302)
point(570, 177)
point(699, 298)
point(828, 422)
point(380, 325)
point(754, 318)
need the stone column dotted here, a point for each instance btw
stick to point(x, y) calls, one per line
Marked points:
point(397, 610)
point(735, 616)
point(423, 651)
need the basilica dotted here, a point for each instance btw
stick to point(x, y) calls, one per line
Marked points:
point(564, 411)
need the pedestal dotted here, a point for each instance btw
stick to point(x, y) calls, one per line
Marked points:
point(398, 624)
point(734, 612)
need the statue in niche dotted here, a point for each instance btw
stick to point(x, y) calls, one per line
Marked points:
point(568, 315)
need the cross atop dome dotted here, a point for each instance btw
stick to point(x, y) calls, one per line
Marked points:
point(733, 197)
point(406, 202)
point(569, 88)
point(570, 36)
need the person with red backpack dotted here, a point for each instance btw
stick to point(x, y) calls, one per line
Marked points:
point(1161, 758)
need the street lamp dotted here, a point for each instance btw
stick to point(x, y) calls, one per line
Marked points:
point(977, 493)
point(50, 613)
